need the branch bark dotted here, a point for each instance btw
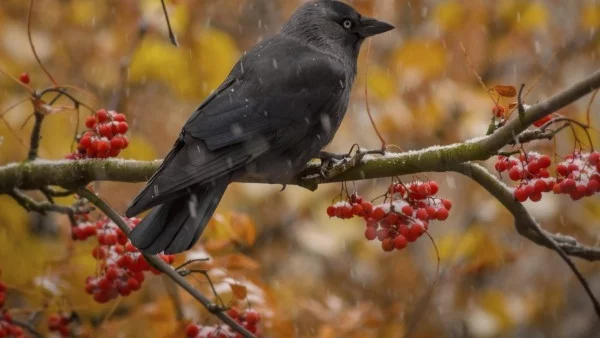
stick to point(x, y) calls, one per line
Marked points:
point(72, 174)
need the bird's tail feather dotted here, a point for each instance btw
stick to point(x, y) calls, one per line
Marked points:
point(176, 225)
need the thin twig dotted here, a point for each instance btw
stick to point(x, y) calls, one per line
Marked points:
point(381, 138)
point(27, 327)
point(172, 37)
point(159, 264)
point(37, 58)
point(30, 204)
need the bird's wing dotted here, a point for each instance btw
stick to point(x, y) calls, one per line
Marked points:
point(264, 99)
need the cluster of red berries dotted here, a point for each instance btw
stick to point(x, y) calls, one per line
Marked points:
point(400, 221)
point(577, 175)
point(531, 171)
point(105, 136)
point(121, 265)
point(8, 328)
point(249, 319)
point(61, 323)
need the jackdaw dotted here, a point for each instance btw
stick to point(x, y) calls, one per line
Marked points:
point(280, 105)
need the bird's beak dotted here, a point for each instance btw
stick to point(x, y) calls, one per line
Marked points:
point(370, 27)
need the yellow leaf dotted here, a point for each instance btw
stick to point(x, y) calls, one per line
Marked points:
point(239, 291)
point(449, 14)
point(590, 16)
point(381, 83)
point(215, 54)
point(427, 57)
point(535, 17)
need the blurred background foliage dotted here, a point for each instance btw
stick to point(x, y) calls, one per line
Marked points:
point(308, 275)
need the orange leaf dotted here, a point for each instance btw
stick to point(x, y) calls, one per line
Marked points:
point(506, 91)
point(239, 291)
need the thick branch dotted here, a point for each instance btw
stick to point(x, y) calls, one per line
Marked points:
point(159, 264)
point(524, 222)
point(37, 174)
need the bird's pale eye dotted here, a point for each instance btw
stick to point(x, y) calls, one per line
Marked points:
point(347, 24)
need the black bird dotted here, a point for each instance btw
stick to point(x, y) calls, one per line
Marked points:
point(280, 105)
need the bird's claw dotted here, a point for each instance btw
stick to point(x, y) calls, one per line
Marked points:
point(336, 164)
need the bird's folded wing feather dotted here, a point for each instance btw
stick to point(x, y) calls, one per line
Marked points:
point(264, 99)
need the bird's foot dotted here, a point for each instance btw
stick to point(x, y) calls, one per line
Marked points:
point(336, 164)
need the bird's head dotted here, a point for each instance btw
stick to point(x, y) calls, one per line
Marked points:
point(332, 26)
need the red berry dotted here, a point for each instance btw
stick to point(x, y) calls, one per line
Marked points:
point(540, 186)
point(119, 117)
point(430, 211)
point(126, 140)
point(594, 158)
point(498, 111)
point(105, 130)
point(383, 234)
point(104, 284)
point(593, 186)
point(442, 214)
point(122, 127)
point(400, 242)
point(90, 122)
point(371, 233)
point(422, 214)
point(544, 161)
point(372, 223)
point(424, 190)
point(110, 238)
point(417, 230)
point(53, 322)
point(24, 78)
point(378, 213)
point(99, 253)
point(367, 207)
point(133, 284)
point(536, 196)
point(331, 211)
point(556, 188)
point(562, 169)
point(103, 148)
point(572, 167)
point(387, 244)
point(407, 210)
point(521, 194)
point(533, 167)
point(515, 174)
point(102, 115)
point(434, 187)
point(447, 204)
point(112, 273)
point(252, 317)
point(357, 209)
point(85, 141)
point(568, 185)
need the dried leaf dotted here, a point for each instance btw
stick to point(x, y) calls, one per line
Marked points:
point(239, 291)
point(505, 91)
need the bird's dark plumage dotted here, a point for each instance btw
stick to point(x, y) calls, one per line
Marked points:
point(280, 105)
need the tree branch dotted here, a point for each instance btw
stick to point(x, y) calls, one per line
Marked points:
point(528, 227)
point(71, 174)
point(159, 264)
